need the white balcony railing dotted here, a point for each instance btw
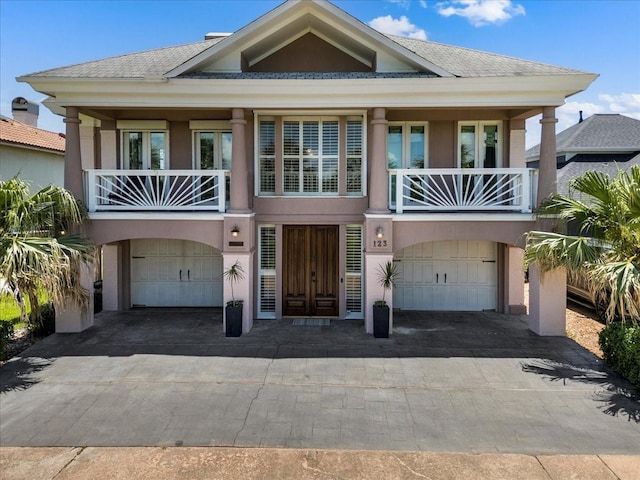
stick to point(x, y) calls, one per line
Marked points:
point(156, 190)
point(454, 189)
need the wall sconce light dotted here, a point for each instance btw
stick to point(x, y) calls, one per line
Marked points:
point(379, 232)
point(235, 231)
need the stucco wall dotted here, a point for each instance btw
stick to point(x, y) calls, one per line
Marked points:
point(37, 167)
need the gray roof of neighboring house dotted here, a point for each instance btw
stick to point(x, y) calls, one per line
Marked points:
point(574, 169)
point(462, 62)
point(598, 132)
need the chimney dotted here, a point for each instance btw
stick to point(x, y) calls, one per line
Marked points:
point(580, 121)
point(25, 111)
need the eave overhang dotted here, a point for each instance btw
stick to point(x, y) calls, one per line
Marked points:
point(526, 91)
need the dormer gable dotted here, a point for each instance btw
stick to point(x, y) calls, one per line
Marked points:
point(307, 36)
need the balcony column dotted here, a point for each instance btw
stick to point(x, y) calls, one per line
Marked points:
point(547, 301)
point(239, 179)
point(547, 174)
point(378, 198)
point(72, 157)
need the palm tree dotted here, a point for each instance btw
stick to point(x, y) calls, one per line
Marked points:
point(38, 249)
point(606, 254)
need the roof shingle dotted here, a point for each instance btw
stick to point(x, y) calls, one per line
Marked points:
point(598, 132)
point(461, 62)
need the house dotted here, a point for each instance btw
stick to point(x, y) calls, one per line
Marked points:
point(602, 142)
point(36, 155)
point(312, 149)
point(605, 143)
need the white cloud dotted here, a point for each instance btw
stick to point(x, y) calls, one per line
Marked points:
point(626, 104)
point(401, 3)
point(401, 26)
point(569, 114)
point(481, 12)
point(423, 3)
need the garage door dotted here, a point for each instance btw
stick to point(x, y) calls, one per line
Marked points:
point(175, 273)
point(452, 275)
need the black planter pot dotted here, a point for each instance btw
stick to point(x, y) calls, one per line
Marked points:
point(234, 320)
point(381, 321)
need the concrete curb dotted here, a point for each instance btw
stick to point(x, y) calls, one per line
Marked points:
point(193, 463)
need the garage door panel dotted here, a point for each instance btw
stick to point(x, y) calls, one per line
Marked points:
point(175, 273)
point(461, 275)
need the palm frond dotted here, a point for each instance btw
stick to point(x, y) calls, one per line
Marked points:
point(38, 249)
point(553, 250)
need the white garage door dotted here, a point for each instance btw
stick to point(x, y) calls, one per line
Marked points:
point(175, 273)
point(452, 275)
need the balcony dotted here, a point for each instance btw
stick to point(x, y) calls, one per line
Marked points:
point(463, 190)
point(156, 190)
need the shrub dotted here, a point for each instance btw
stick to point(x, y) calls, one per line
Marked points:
point(6, 333)
point(47, 324)
point(620, 343)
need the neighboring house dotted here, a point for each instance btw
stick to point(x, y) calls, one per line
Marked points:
point(312, 149)
point(36, 155)
point(603, 142)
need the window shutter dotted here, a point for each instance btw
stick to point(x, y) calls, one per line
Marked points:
point(267, 272)
point(353, 276)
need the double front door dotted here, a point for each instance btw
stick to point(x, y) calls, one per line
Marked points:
point(310, 270)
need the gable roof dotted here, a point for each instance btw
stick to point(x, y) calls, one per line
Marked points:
point(20, 134)
point(146, 64)
point(598, 133)
point(468, 63)
point(421, 58)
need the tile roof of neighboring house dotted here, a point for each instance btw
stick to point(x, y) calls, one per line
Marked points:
point(14, 132)
point(462, 62)
point(598, 132)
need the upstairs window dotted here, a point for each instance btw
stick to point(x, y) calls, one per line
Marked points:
point(145, 150)
point(145, 144)
point(212, 150)
point(407, 145)
point(479, 144)
point(309, 156)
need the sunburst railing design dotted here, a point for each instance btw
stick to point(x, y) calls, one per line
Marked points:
point(478, 189)
point(156, 190)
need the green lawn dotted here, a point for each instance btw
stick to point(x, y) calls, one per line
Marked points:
point(10, 312)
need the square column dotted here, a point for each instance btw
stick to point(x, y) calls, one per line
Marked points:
point(71, 318)
point(514, 301)
point(548, 301)
point(111, 275)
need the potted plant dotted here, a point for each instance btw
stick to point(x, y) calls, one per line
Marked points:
point(387, 275)
point(233, 310)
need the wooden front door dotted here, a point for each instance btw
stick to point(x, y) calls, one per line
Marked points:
point(310, 270)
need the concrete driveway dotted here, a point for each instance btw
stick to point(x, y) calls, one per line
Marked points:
point(444, 382)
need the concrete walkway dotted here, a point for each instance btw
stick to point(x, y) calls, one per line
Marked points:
point(471, 383)
point(192, 463)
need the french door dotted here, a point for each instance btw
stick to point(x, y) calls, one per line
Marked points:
point(310, 270)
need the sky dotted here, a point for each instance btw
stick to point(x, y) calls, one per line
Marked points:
point(589, 35)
